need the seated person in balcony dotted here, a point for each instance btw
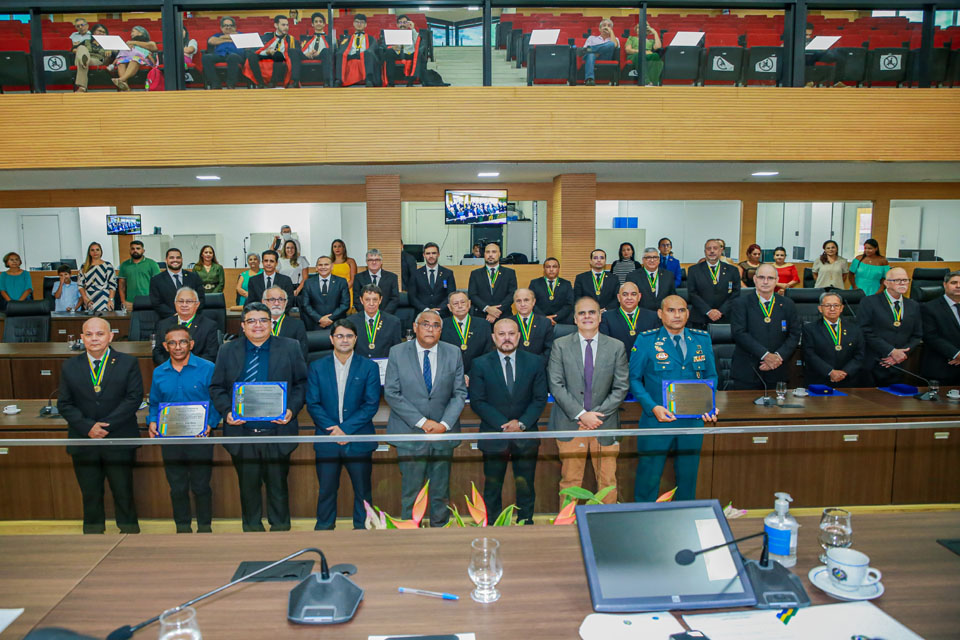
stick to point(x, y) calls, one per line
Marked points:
point(87, 51)
point(140, 54)
point(407, 56)
point(278, 57)
point(66, 293)
point(316, 47)
point(605, 46)
point(190, 48)
point(654, 63)
point(360, 50)
point(811, 58)
point(224, 50)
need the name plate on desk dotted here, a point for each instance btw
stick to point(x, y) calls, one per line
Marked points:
point(182, 419)
point(689, 398)
point(259, 400)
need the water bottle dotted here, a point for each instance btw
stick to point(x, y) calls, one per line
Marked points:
point(781, 529)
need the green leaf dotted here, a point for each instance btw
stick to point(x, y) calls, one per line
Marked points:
point(598, 498)
point(505, 519)
point(577, 493)
point(456, 516)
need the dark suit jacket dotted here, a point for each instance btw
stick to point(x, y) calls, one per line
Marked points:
point(286, 365)
point(387, 336)
point(481, 295)
point(120, 396)
point(941, 335)
point(258, 284)
point(613, 325)
point(314, 305)
point(388, 285)
point(293, 328)
point(754, 337)
point(583, 285)
point(203, 330)
point(876, 320)
point(562, 303)
point(496, 405)
point(361, 400)
point(422, 296)
point(665, 287)
point(479, 341)
point(820, 355)
point(704, 295)
point(408, 264)
point(541, 338)
point(163, 291)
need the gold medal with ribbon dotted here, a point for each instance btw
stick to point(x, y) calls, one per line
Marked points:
point(372, 333)
point(189, 322)
point(714, 272)
point(835, 335)
point(631, 324)
point(463, 333)
point(767, 308)
point(897, 315)
point(598, 282)
point(525, 329)
point(96, 373)
point(278, 324)
point(653, 278)
point(551, 290)
point(493, 278)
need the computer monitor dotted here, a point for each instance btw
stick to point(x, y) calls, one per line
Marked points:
point(416, 250)
point(629, 552)
point(767, 255)
point(918, 255)
point(476, 206)
point(123, 225)
point(70, 262)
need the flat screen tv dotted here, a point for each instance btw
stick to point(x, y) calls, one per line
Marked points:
point(123, 225)
point(475, 206)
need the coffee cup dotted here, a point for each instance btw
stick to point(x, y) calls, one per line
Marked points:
point(953, 393)
point(850, 569)
point(11, 409)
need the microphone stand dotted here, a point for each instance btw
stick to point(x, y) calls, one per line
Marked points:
point(765, 400)
point(929, 395)
point(50, 411)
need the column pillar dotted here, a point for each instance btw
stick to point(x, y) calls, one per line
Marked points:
point(571, 226)
point(383, 219)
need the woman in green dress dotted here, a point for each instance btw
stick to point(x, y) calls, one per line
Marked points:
point(868, 269)
point(654, 63)
point(210, 271)
point(253, 268)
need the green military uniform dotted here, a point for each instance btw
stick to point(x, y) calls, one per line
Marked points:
point(654, 359)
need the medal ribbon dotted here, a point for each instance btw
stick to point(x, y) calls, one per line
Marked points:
point(372, 335)
point(834, 335)
point(493, 278)
point(714, 272)
point(549, 290)
point(896, 316)
point(190, 321)
point(632, 324)
point(766, 307)
point(525, 328)
point(278, 325)
point(96, 375)
point(653, 278)
point(598, 282)
point(466, 329)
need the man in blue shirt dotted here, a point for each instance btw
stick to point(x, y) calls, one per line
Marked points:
point(185, 378)
point(224, 50)
point(66, 293)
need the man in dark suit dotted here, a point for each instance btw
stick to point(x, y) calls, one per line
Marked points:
point(430, 285)
point(629, 319)
point(712, 286)
point(554, 294)
point(833, 347)
point(385, 280)
point(270, 277)
point(164, 285)
point(284, 325)
point(343, 395)
point(766, 330)
point(491, 286)
point(941, 334)
point(654, 283)
point(377, 331)
point(325, 298)
point(260, 357)
point(892, 329)
point(509, 392)
point(536, 332)
point(100, 392)
point(460, 330)
point(408, 265)
point(203, 330)
point(598, 283)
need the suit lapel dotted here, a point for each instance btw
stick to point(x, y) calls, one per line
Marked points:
point(415, 363)
point(578, 353)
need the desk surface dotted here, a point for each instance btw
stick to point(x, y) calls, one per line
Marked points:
point(544, 588)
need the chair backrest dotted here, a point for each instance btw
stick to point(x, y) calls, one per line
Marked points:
point(924, 277)
point(808, 279)
point(143, 320)
point(926, 294)
point(215, 308)
point(805, 296)
point(721, 335)
point(561, 330)
point(27, 321)
point(318, 344)
point(683, 293)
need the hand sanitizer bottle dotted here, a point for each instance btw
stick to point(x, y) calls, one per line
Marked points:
point(781, 528)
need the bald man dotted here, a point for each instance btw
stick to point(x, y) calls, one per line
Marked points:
point(536, 331)
point(100, 392)
point(629, 319)
point(892, 329)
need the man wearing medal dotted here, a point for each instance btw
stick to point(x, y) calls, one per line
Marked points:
point(597, 283)
point(185, 377)
point(100, 393)
point(629, 319)
point(941, 333)
point(766, 331)
point(377, 331)
point(491, 286)
point(833, 347)
point(892, 328)
point(713, 286)
point(203, 330)
point(284, 325)
point(469, 333)
point(653, 282)
point(536, 333)
point(554, 294)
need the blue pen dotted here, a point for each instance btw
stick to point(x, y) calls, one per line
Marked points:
point(430, 594)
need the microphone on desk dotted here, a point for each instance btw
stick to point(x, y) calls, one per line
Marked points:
point(929, 395)
point(687, 556)
point(50, 411)
point(765, 400)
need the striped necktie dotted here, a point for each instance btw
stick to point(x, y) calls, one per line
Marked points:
point(253, 369)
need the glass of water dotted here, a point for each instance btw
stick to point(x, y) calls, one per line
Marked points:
point(835, 530)
point(934, 386)
point(179, 623)
point(408, 336)
point(781, 391)
point(71, 342)
point(485, 569)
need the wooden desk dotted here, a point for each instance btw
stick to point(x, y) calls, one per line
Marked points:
point(63, 325)
point(544, 588)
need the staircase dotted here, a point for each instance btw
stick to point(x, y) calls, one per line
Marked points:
point(463, 67)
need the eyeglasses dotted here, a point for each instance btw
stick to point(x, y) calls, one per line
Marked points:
point(177, 343)
point(256, 321)
point(344, 336)
point(274, 300)
point(651, 257)
point(188, 302)
point(900, 281)
point(430, 325)
point(831, 306)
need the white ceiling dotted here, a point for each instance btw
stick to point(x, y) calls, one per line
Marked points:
point(467, 172)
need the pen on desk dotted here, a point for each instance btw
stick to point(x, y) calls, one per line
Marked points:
point(430, 594)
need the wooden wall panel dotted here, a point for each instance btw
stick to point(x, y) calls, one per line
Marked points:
point(573, 212)
point(383, 219)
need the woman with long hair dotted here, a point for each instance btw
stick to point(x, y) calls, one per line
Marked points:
point(748, 268)
point(293, 265)
point(830, 269)
point(787, 276)
point(343, 265)
point(98, 280)
point(625, 262)
point(210, 271)
point(868, 269)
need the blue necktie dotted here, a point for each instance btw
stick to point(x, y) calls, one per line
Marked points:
point(427, 374)
point(253, 369)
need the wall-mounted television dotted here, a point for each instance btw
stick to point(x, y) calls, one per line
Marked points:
point(475, 206)
point(123, 225)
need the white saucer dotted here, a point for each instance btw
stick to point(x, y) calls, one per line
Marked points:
point(820, 578)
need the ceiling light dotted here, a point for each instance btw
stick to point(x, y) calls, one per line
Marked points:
point(488, 174)
point(423, 8)
point(471, 8)
point(208, 177)
point(764, 174)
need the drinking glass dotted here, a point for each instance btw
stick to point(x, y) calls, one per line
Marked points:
point(781, 391)
point(485, 569)
point(70, 341)
point(408, 335)
point(934, 386)
point(153, 341)
point(835, 530)
point(179, 623)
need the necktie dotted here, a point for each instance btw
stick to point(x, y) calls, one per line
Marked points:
point(250, 375)
point(375, 280)
point(176, 279)
point(588, 376)
point(433, 278)
point(427, 375)
point(463, 327)
point(896, 306)
point(370, 322)
point(269, 281)
point(493, 273)
point(509, 373)
point(678, 340)
point(956, 310)
point(323, 287)
point(96, 367)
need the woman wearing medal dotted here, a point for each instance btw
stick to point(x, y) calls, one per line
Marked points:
point(377, 331)
point(833, 347)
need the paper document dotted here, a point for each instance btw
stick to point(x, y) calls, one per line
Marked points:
point(7, 616)
point(112, 43)
point(544, 36)
point(398, 37)
point(458, 636)
point(719, 562)
point(246, 40)
point(657, 625)
point(822, 43)
point(382, 363)
point(824, 622)
point(686, 39)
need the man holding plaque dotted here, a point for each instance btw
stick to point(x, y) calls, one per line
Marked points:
point(536, 332)
point(833, 347)
point(180, 407)
point(554, 294)
point(100, 392)
point(628, 320)
point(672, 352)
point(203, 330)
point(598, 283)
point(461, 330)
point(265, 360)
point(377, 331)
point(284, 325)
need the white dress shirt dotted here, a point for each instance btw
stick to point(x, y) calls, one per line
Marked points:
point(375, 277)
point(342, 370)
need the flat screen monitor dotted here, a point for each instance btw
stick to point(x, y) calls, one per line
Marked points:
point(918, 255)
point(629, 552)
point(123, 225)
point(476, 206)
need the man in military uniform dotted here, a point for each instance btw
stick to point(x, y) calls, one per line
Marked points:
point(470, 333)
point(672, 352)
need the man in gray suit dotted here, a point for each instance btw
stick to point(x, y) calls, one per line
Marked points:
point(426, 393)
point(589, 377)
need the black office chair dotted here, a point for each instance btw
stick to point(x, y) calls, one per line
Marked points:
point(808, 279)
point(318, 344)
point(806, 302)
point(923, 277)
point(27, 321)
point(143, 320)
point(215, 308)
point(404, 312)
point(683, 293)
point(721, 336)
point(561, 330)
point(851, 300)
point(926, 294)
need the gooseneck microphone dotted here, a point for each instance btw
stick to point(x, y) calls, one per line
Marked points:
point(127, 631)
point(929, 395)
point(764, 400)
point(50, 411)
point(687, 556)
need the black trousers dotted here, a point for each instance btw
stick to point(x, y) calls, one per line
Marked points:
point(260, 465)
point(392, 61)
point(415, 470)
point(326, 64)
point(359, 468)
point(524, 459)
point(210, 79)
point(115, 464)
point(279, 67)
point(188, 469)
